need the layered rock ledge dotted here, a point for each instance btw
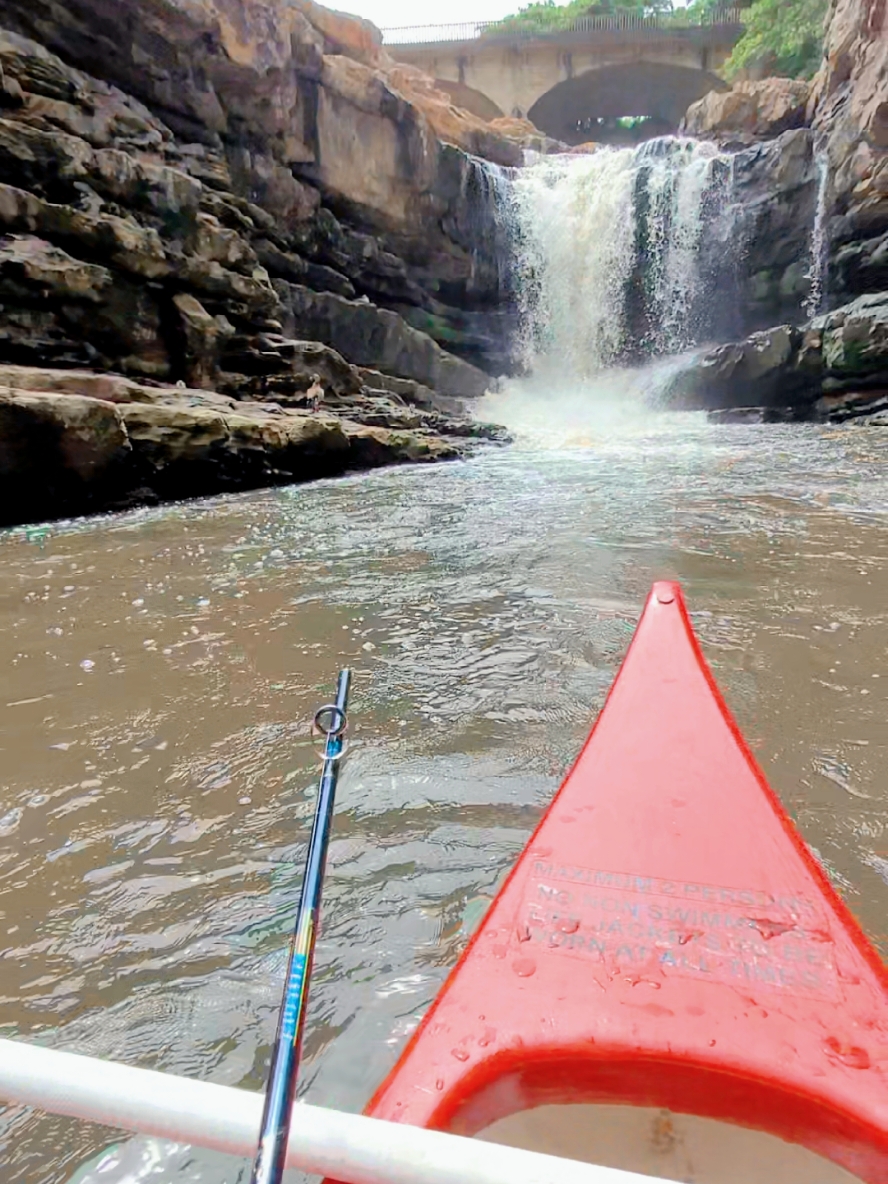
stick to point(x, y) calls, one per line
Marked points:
point(211, 196)
point(79, 442)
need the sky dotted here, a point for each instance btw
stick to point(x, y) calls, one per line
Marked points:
point(392, 13)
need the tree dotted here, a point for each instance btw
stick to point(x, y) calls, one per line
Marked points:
point(549, 16)
point(784, 36)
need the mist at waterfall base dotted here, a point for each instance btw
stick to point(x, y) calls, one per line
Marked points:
point(624, 262)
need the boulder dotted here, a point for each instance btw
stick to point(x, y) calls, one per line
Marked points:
point(859, 407)
point(203, 336)
point(527, 135)
point(854, 339)
point(406, 389)
point(759, 372)
point(860, 265)
point(751, 111)
point(270, 366)
point(453, 124)
point(739, 415)
point(376, 337)
point(344, 33)
point(835, 368)
point(59, 455)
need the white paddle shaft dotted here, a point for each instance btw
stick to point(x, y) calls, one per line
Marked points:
point(347, 1147)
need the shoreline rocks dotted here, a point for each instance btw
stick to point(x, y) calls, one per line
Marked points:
point(81, 442)
point(832, 370)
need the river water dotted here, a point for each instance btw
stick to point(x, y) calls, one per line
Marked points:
point(160, 669)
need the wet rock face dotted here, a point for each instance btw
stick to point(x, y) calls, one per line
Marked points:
point(835, 368)
point(762, 272)
point(837, 126)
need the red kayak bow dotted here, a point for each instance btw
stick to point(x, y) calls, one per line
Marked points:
point(665, 940)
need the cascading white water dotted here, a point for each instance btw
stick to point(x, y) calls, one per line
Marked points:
point(574, 250)
point(819, 243)
point(608, 252)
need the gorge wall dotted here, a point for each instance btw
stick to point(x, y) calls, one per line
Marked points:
point(191, 194)
point(850, 115)
point(830, 142)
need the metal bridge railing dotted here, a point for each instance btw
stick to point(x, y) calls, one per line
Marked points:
point(620, 22)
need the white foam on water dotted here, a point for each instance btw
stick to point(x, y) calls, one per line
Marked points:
point(552, 409)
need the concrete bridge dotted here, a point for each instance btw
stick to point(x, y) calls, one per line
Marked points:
point(607, 78)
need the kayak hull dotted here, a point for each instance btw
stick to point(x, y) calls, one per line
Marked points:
point(666, 940)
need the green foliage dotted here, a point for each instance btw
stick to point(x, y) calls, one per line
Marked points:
point(546, 16)
point(785, 36)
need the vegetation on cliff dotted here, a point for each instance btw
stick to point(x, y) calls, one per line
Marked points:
point(546, 16)
point(783, 36)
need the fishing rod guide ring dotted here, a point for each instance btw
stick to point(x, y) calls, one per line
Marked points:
point(331, 719)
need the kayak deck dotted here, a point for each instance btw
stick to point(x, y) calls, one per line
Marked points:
point(666, 946)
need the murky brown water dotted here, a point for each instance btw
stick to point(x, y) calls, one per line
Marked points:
point(159, 670)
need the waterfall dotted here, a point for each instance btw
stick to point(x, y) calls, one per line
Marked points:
point(818, 274)
point(608, 253)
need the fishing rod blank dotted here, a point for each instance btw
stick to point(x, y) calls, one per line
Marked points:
point(268, 1165)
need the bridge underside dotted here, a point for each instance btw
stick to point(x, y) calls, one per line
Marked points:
point(621, 104)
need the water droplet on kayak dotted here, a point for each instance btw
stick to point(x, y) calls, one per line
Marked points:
point(500, 951)
point(646, 982)
point(487, 1037)
point(665, 596)
point(524, 967)
point(769, 929)
point(522, 932)
point(847, 1054)
point(461, 1054)
point(567, 925)
point(439, 1084)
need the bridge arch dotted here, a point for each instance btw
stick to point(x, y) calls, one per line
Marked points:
point(599, 103)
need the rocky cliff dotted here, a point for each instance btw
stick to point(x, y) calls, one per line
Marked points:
point(811, 176)
point(194, 191)
point(849, 111)
point(241, 137)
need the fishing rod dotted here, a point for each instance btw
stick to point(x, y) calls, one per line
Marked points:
point(268, 1166)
